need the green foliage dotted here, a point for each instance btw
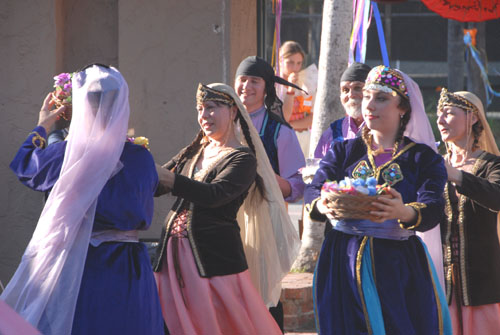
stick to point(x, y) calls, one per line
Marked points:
point(300, 270)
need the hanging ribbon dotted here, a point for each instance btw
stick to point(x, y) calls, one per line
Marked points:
point(362, 15)
point(363, 31)
point(381, 35)
point(361, 10)
point(468, 40)
point(277, 33)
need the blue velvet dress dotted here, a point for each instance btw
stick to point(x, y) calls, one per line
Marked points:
point(118, 292)
point(376, 278)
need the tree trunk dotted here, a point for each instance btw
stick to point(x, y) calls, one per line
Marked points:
point(336, 29)
point(456, 61)
point(475, 83)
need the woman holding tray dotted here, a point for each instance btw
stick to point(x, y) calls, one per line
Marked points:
point(376, 276)
point(472, 262)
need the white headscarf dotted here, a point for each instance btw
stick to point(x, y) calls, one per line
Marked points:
point(44, 290)
point(486, 139)
point(419, 130)
point(271, 242)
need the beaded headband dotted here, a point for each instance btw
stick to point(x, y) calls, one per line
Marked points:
point(450, 99)
point(387, 80)
point(206, 93)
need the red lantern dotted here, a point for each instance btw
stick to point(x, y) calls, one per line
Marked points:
point(465, 10)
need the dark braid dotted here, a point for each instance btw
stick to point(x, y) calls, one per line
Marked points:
point(259, 182)
point(365, 135)
point(404, 105)
point(477, 129)
point(193, 147)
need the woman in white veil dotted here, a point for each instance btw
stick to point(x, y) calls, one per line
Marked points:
point(84, 270)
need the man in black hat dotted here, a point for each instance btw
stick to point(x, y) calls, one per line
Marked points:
point(255, 86)
point(351, 96)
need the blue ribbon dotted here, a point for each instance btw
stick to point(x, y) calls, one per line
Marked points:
point(490, 93)
point(358, 44)
point(381, 36)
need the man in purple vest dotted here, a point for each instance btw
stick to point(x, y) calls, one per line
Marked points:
point(351, 96)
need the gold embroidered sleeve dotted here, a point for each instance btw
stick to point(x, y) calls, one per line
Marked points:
point(313, 212)
point(37, 140)
point(417, 206)
point(309, 207)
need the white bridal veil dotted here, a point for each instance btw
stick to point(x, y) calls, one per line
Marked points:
point(44, 289)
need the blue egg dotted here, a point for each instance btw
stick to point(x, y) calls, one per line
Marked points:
point(372, 190)
point(371, 181)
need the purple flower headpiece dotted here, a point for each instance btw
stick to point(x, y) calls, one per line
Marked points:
point(63, 93)
point(388, 80)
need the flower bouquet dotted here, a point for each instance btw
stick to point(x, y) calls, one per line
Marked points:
point(140, 140)
point(62, 93)
point(352, 198)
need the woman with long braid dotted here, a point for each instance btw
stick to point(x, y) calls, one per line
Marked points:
point(470, 236)
point(223, 182)
point(377, 277)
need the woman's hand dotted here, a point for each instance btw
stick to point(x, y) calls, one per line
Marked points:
point(293, 78)
point(391, 207)
point(166, 177)
point(48, 116)
point(323, 208)
point(454, 174)
point(285, 187)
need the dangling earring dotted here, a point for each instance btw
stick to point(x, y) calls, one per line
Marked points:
point(401, 115)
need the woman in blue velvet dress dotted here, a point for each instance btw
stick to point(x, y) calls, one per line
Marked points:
point(84, 270)
point(377, 277)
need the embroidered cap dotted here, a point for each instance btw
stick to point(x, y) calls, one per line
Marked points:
point(451, 99)
point(206, 93)
point(388, 80)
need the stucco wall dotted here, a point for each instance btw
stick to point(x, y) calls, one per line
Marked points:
point(168, 48)
point(163, 48)
point(27, 55)
point(88, 32)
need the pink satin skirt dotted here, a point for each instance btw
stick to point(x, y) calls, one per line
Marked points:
point(218, 305)
point(476, 320)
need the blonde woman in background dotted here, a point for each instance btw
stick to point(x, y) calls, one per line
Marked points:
point(298, 105)
point(471, 246)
